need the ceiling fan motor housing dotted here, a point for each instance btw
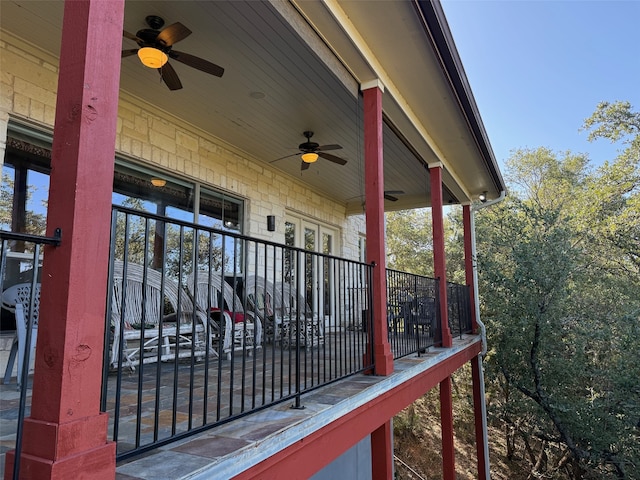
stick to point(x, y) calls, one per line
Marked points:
point(308, 146)
point(147, 36)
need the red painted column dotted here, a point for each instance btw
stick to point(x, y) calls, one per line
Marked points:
point(468, 262)
point(446, 422)
point(439, 264)
point(374, 210)
point(478, 409)
point(66, 435)
point(382, 452)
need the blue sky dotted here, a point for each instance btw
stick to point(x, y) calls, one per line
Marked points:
point(537, 69)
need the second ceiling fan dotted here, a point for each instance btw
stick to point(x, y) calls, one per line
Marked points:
point(311, 151)
point(391, 195)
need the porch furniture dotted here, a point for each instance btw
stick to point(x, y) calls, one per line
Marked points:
point(395, 318)
point(420, 317)
point(240, 330)
point(279, 307)
point(17, 299)
point(258, 292)
point(139, 318)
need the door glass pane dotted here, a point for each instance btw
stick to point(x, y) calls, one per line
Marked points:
point(289, 241)
point(310, 239)
point(362, 249)
point(326, 243)
point(310, 245)
point(327, 240)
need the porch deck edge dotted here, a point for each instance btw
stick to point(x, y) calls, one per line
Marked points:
point(195, 458)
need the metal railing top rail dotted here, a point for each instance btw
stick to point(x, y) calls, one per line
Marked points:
point(28, 237)
point(393, 270)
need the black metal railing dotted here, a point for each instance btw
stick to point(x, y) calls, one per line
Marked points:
point(459, 304)
point(20, 263)
point(413, 315)
point(205, 326)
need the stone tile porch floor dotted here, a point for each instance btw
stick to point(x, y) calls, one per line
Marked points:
point(227, 449)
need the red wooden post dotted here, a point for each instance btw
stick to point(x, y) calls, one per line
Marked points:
point(374, 209)
point(382, 452)
point(468, 263)
point(66, 435)
point(446, 422)
point(439, 264)
point(478, 413)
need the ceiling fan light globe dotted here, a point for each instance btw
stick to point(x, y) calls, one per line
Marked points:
point(309, 157)
point(152, 57)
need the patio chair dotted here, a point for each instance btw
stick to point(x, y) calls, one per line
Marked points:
point(240, 330)
point(148, 331)
point(17, 299)
point(295, 307)
point(259, 292)
point(423, 317)
point(280, 306)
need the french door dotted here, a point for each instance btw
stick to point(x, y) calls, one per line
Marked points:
point(312, 275)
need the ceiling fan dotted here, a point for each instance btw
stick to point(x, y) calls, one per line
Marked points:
point(391, 194)
point(156, 48)
point(312, 150)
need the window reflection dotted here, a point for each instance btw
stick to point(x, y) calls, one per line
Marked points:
point(23, 208)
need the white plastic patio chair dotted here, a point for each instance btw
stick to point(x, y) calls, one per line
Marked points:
point(17, 300)
point(279, 306)
point(216, 297)
point(137, 309)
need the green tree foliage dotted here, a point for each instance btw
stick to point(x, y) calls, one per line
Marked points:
point(615, 121)
point(409, 243)
point(561, 299)
point(560, 294)
point(614, 201)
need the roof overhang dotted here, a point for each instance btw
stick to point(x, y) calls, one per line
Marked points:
point(296, 66)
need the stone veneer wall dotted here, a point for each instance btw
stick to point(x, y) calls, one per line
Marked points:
point(28, 83)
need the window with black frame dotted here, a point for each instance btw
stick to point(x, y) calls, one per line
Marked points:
point(168, 243)
point(158, 242)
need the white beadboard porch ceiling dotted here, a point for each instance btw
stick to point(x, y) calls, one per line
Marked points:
point(295, 67)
